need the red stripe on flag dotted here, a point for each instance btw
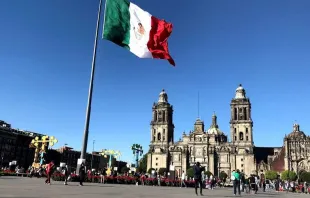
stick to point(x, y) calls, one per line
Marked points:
point(158, 42)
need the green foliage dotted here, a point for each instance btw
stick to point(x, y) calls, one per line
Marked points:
point(125, 169)
point(272, 175)
point(150, 170)
point(305, 177)
point(162, 171)
point(288, 175)
point(143, 164)
point(208, 173)
point(136, 147)
point(190, 172)
point(223, 175)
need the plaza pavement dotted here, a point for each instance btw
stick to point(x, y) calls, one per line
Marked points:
point(34, 187)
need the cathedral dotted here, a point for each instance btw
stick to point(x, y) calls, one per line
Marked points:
point(211, 147)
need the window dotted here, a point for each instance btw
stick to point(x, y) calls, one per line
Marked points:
point(235, 130)
point(235, 138)
point(156, 164)
point(247, 138)
point(164, 116)
point(156, 158)
point(241, 165)
point(241, 136)
point(158, 136)
point(235, 113)
point(241, 159)
point(246, 130)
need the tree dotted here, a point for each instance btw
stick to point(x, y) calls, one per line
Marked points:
point(162, 171)
point(190, 172)
point(305, 177)
point(208, 174)
point(223, 175)
point(143, 164)
point(272, 175)
point(288, 175)
point(125, 169)
point(150, 170)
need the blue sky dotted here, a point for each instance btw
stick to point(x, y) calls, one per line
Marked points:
point(46, 52)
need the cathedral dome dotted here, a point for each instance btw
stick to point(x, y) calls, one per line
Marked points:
point(214, 128)
point(215, 131)
point(240, 92)
point(296, 132)
point(163, 97)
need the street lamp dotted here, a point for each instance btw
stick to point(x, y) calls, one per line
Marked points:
point(35, 143)
point(111, 153)
point(137, 150)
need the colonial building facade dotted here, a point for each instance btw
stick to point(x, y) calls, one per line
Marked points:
point(297, 151)
point(14, 145)
point(211, 147)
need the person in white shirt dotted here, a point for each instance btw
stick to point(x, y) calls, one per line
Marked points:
point(211, 181)
point(183, 177)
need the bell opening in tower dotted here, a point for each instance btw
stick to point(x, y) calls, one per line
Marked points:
point(235, 113)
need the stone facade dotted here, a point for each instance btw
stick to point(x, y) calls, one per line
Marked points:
point(297, 150)
point(213, 150)
point(209, 147)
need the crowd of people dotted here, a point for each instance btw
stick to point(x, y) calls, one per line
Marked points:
point(240, 183)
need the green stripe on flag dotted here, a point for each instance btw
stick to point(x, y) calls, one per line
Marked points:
point(117, 22)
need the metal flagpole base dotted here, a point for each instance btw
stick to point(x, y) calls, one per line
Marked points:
point(79, 162)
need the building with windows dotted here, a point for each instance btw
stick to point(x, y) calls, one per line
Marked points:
point(296, 151)
point(69, 156)
point(14, 145)
point(210, 146)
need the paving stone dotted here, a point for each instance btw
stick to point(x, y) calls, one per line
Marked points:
point(19, 187)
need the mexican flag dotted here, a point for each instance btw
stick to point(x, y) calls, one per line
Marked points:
point(128, 26)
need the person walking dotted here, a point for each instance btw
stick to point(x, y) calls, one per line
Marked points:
point(211, 182)
point(49, 171)
point(263, 181)
point(102, 175)
point(183, 180)
point(197, 177)
point(237, 182)
point(66, 174)
point(82, 173)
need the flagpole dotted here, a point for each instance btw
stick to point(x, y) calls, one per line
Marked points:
point(90, 91)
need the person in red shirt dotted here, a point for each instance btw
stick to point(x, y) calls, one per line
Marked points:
point(49, 168)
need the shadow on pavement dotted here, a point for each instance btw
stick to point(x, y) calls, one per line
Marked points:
point(73, 185)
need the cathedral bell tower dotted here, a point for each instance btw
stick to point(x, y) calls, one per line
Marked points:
point(241, 124)
point(162, 132)
point(162, 125)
